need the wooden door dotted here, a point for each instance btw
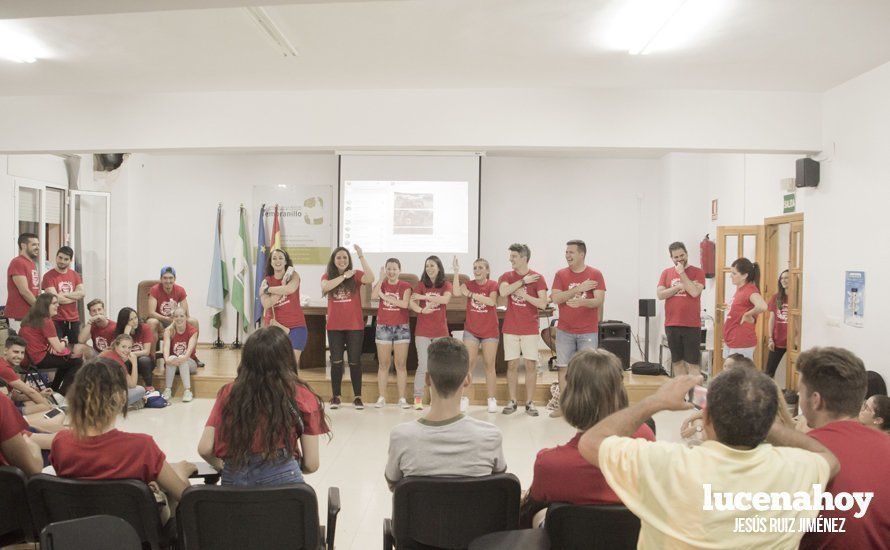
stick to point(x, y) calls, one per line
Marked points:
point(795, 303)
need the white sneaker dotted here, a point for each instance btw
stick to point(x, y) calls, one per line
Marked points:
point(187, 396)
point(492, 405)
point(403, 403)
point(464, 404)
point(167, 395)
point(381, 402)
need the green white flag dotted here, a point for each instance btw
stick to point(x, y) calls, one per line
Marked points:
point(219, 280)
point(241, 272)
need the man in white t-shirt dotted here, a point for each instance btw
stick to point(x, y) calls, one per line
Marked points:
point(445, 442)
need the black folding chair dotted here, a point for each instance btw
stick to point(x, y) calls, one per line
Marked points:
point(237, 518)
point(593, 527)
point(450, 512)
point(90, 533)
point(55, 499)
point(15, 514)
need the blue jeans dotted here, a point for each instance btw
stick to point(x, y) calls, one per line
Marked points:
point(258, 471)
point(568, 344)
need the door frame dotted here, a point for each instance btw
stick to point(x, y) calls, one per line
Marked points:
point(795, 285)
point(72, 233)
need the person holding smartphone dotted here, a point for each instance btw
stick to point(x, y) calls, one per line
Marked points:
point(34, 404)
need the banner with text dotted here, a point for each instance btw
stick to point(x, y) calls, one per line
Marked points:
point(305, 214)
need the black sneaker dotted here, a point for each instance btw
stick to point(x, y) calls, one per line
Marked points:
point(335, 403)
point(530, 409)
point(510, 408)
point(200, 364)
point(359, 405)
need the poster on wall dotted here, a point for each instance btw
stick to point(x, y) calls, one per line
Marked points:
point(304, 216)
point(854, 298)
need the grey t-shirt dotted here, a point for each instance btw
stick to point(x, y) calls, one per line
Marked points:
point(460, 446)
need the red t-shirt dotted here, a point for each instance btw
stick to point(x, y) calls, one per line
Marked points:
point(287, 310)
point(482, 319)
point(114, 356)
point(38, 340)
point(63, 283)
point(167, 303)
point(388, 314)
point(7, 373)
point(522, 317)
point(780, 327)
point(345, 307)
point(862, 453)
point(681, 309)
point(112, 455)
point(102, 336)
point(12, 423)
point(16, 306)
point(578, 320)
point(310, 411)
point(143, 339)
point(433, 324)
point(562, 475)
point(179, 343)
point(735, 334)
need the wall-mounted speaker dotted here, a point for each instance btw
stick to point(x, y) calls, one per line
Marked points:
point(807, 173)
point(647, 307)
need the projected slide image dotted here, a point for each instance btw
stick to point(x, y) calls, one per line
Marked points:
point(413, 214)
point(414, 200)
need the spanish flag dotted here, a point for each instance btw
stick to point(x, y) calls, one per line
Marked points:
point(276, 231)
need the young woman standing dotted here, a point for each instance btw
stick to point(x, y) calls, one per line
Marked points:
point(129, 323)
point(346, 322)
point(180, 340)
point(45, 351)
point(393, 333)
point(739, 335)
point(778, 325)
point(280, 296)
point(429, 300)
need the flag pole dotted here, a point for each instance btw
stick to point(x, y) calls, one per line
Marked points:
point(218, 344)
point(237, 343)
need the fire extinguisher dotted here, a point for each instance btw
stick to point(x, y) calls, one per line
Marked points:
point(708, 254)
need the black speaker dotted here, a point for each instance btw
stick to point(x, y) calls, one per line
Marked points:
point(614, 336)
point(647, 307)
point(807, 173)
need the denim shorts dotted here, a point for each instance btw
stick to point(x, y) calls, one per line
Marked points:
point(473, 339)
point(568, 344)
point(393, 334)
point(298, 337)
point(260, 472)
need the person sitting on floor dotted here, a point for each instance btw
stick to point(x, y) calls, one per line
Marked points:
point(445, 442)
point(119, 354)
point(33, 404)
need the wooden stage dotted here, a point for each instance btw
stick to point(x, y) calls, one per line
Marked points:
point(222, 364)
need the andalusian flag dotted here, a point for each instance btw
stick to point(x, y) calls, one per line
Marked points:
point(262, 249)
point(241, 272)
point(219, 280)
point(276, 231)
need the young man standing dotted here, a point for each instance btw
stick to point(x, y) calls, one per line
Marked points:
point(67, 285)
point(680, 287)
point(445, 442)
point(527, 293)
point(97, 328)
point(22, 280)
point(580, 291)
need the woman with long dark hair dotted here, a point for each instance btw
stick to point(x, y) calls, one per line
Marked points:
point(739, 335)
point(346, 322)
point(280, 296)
point(129, 324)
point(264, 426)
point(393, 332)
point(778, 325)
point(434, 292)
point(44, 350)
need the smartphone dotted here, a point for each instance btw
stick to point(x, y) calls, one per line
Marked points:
point(698, 396)
point(52, 413)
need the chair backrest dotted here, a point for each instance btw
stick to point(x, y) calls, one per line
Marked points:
point(93, 532)
point(15, 514)
point(214, 517)
point(611, 527)
point(450, 512)
point(56, 499)
point(142, 297)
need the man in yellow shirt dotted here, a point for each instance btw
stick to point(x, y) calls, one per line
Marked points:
point(733, 491)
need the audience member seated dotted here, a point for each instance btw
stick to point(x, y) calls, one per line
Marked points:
point(33, 404)
point(264, 426)
point(119, 355)
point(180, 341)
point(679, 492)
point(44, 350)
point(93, 449)
point(832, 385)
point(97, 328)
point(15, 449)
point(594, 390)
point(445, 442)
point(875, 413)
point(129, 323)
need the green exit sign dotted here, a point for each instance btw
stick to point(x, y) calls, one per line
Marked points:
point(790, 203)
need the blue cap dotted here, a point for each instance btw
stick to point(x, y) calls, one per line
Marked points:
point(168, 269)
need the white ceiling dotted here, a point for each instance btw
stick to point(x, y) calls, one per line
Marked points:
point(799, 45)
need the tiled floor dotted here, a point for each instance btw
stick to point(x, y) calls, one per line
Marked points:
point(354, 458)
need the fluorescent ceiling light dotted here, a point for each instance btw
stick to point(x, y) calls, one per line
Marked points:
point(268, 27)
point(643, 26)
point(18, 46)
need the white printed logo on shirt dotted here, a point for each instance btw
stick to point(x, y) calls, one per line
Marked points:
point(583, 295)
point(518, 301)
point(341, 294)
point(35, 279)
point(676, 282)
point(65, 286)
point(478, 307)
point(386, 306)
point(179, 348)
point(168, 307)
point(431, 305)
point(136, 347)
point(101, 343)
point(782, 313)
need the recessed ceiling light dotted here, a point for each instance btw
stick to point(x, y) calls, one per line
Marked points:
point(643, 26)
point(18, 46)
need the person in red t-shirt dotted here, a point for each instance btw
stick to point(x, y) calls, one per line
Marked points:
point(680, 287)
point(435, 293)
point(94, 450)
point(97, 329)
point(561, 474)
point(264, 426)
point(280, 296)
point(22, 280)
point(16, 450)
point(32, 402)
point(480, 325)
point(163, 299)
point(129, 323)
point(65, 283)
point(739, 335)
point(832, 383)
point(778, 325)
point(45, 351)
point(119, 354)
point(580, 291)
point(393, 332)
point(180, 341)
point(527, 292)
point(346, 322)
